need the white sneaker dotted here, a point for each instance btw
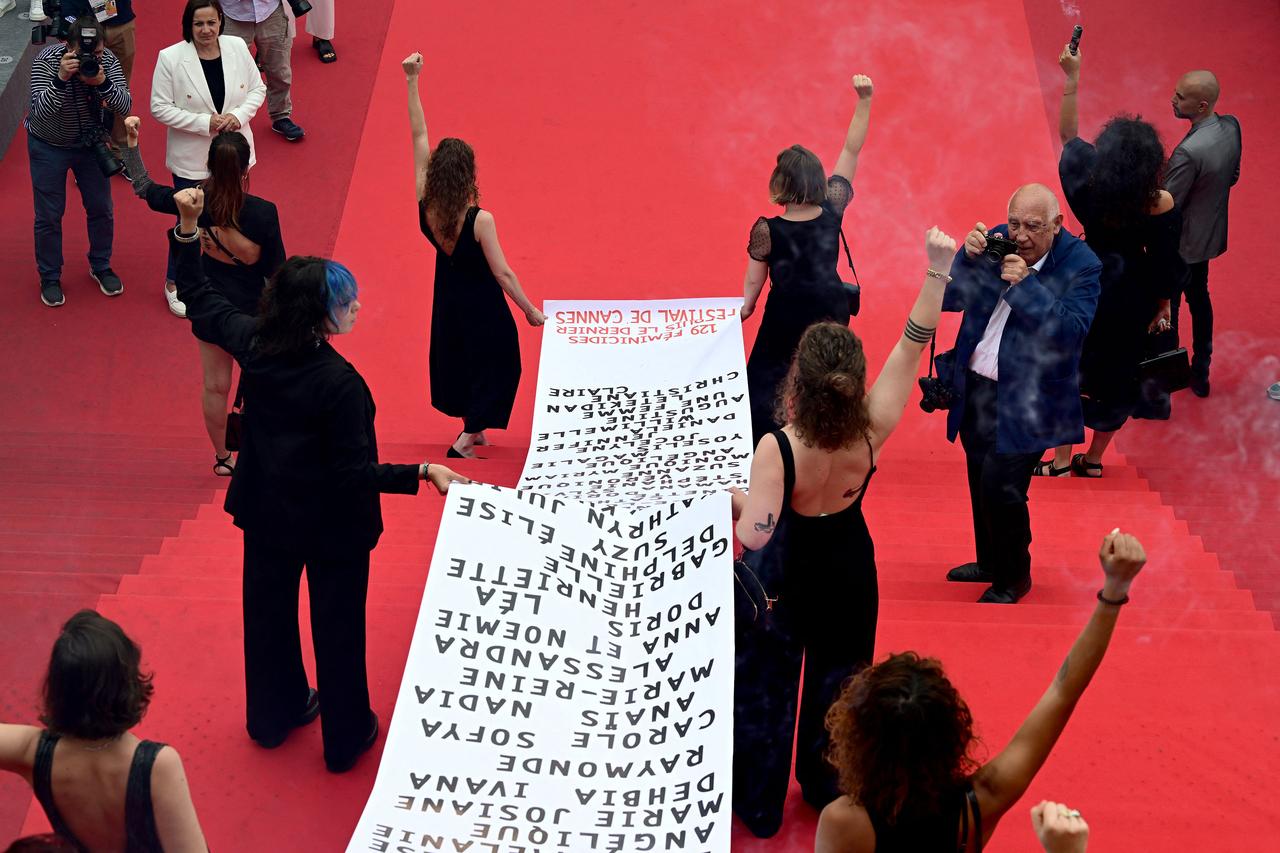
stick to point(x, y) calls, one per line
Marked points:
point(37, 11)
point(1274, 391)
point(175, 304)
point(6, 5)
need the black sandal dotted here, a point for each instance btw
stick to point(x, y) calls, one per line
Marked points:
point(1082, 467)
point(324, 48)
point(1045, 469)
point(222, 465)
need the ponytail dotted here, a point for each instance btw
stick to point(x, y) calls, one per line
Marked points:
point(224, 188)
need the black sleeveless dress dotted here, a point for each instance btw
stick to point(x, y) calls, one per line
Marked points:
point(475, 351)
point(946, 831)
point(139, 816)
point(804, 288)
point(826, 608)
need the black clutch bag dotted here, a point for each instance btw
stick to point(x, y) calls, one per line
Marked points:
point(852, 292)
point(1170, 371)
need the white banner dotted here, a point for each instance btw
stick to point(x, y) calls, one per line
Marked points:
point(640, 403)
point(569, 686)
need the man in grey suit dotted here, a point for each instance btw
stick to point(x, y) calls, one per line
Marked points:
point(1201, 172)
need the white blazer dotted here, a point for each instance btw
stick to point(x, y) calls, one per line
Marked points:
point(180, 99)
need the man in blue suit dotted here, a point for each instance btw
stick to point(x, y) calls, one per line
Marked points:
point(1016, 375)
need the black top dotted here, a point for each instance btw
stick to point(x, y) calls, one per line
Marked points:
point(946, 831)
point(308, 474)
point(1140, 267)
point(259, 221)
point(213, 76)
point(471, 325)
point(804, 288)
point(139, 815)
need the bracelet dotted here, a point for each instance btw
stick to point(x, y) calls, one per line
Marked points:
point(915, 332)
point(941, 276)
point(1106, 600)
point(422, 471)
point(185, 238)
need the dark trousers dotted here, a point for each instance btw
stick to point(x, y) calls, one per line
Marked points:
point(769, 653)
point(49, 167)
point(275, 681)
point(998, 484)
point(179, 183)
point(1196, 290)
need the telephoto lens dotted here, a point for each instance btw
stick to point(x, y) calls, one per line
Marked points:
point(108, 165)
point(299, 7)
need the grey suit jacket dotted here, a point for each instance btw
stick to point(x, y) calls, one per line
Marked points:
point(1201, 172)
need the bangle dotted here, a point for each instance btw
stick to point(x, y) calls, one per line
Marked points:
point(422, 472)
point(1106, 600)
point(941, 276)
point(185, 238)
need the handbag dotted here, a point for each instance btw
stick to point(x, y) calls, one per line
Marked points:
point(235, 420)
point(852, 292)
point(758, 574)
point(1169, 371)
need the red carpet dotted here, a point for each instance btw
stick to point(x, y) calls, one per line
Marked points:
point(625, 152)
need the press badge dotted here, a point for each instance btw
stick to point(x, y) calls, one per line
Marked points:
point(103, 9)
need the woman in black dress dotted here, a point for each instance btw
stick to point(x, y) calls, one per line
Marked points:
point(1113, 188)
point(797, 252)
point(242, 249)
point(109, 790)
point(902, 741)
point(804, 514)
point(306, 490)
point(475, 352)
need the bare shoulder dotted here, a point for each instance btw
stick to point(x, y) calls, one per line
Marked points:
point(1162, 203)
point(168, 766)
point(844, 827)
point(484, 219)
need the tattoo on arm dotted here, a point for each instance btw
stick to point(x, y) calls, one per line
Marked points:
point(915, 332)
point(766, 526)
point(1063, 670)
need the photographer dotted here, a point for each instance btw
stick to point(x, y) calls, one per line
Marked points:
point(71, 110)
point(1028, 291)
point(119, 27)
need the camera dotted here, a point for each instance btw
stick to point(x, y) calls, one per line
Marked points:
point(998, 247)
point(108, 165)
point(90, 65)
point(299, 7)
point(935, 394)
point(58, 26)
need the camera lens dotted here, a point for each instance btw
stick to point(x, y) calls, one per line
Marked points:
point(299, 7)
point(89, 65)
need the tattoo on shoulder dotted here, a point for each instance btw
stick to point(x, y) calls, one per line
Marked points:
point(1063, 670)
point(767, 525)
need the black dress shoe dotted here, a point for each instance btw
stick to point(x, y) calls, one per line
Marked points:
point(347, 763)
point(309, 712)
point(970, 573)
point(1012, 595)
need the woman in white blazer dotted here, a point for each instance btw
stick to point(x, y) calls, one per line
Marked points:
point(204, 84)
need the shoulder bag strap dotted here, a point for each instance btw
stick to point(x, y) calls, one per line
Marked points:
point(224, 249)
point(971, 800)
point(932, 339)
point(238, 405)
point(849, 257)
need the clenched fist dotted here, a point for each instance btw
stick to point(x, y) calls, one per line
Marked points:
point(940, 248)
point(862, 85)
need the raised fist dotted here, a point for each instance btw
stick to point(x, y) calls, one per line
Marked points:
point(940, 248)
point(412, 65)
point(862, 85)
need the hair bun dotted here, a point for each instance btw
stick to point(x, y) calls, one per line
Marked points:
point(840, 383)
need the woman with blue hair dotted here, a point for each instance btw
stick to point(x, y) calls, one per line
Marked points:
point(306, 490)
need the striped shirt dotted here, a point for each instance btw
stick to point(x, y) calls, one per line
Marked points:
point(59, 111)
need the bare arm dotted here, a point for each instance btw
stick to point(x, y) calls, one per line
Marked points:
point(847, 161)
point(757, 512)
point(18, 749)
point(752, 284)
point(1068, 112)
point(1005, 778)
point(412, 65)
point(844, 827)
point(888, 397)
point(176, 821)
point(487, 235)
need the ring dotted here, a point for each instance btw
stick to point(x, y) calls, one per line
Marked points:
point(1073, 813)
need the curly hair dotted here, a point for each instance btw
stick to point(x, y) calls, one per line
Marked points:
point(1127, 174)
point(798, 178)
point(94, 688)
point(900, 738)
point(298, 300)
point(451, 184)
point(824, 394)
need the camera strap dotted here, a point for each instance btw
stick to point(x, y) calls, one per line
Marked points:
point(932, 339)
point(849, 257)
